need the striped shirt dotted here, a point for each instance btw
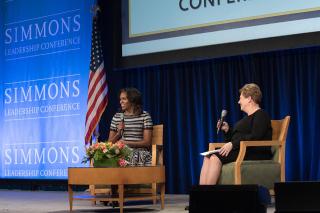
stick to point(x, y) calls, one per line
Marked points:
point(134, 125)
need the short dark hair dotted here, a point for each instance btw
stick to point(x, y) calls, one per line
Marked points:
point(135, 98)
point(252, 90)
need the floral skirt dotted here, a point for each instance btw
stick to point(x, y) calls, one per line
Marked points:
point(140, 157)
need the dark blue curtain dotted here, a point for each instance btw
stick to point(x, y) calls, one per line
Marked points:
point(188, 98)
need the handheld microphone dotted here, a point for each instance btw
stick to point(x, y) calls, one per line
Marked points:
point(223, 115)
point(122, 121)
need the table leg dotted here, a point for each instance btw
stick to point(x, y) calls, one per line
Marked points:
point(70, 197)
point(121, 197)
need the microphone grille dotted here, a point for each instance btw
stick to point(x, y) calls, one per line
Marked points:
point(224, 113)
point(121, 116)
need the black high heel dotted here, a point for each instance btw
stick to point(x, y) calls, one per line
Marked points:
point(114, 204)
point(105, 203)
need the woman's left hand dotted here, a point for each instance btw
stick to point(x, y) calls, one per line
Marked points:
point(122, 141)
point(225, 149)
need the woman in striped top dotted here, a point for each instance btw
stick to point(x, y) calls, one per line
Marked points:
point(133, 126)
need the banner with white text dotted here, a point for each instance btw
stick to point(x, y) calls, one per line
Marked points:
point(44, 78)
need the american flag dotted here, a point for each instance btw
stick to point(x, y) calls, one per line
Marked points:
point(98, 87)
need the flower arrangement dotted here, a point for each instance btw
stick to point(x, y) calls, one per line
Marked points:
point(108, 154)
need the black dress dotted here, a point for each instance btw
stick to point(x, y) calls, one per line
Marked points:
point(254, 127)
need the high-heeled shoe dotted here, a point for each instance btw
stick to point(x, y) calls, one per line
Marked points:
point(105, 203)
point(114, 204)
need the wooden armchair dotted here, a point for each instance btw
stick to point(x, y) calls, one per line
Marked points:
point(157, 159)
point(262, 172)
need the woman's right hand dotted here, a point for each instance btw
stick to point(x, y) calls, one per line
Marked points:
point(120, 126)
point(224, 127)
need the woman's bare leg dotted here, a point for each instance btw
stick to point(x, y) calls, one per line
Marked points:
point(204, 171)
point(214, 170)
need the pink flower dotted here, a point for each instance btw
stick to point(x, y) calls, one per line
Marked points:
point(122, 162)
point(102, 145)
point(120, 145)
point(96, 146)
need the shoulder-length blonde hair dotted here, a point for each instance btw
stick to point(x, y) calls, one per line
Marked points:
point(252, 90)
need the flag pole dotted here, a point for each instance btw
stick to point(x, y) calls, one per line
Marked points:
point(94, 9)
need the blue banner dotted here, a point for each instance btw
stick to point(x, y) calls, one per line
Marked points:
point(1, 64)
point(44, 87)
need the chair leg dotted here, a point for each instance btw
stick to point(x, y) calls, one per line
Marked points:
point(154, 193)
point(92, 192)
point(162, 192)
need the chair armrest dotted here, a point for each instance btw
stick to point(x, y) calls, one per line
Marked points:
point(260, 143)
point(245, 144)
point(242, 153)
point(213, 146)
point(157, 145)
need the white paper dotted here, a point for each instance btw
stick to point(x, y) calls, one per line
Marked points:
point(210, 152)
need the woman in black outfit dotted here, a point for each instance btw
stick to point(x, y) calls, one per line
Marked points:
point(255, 126)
